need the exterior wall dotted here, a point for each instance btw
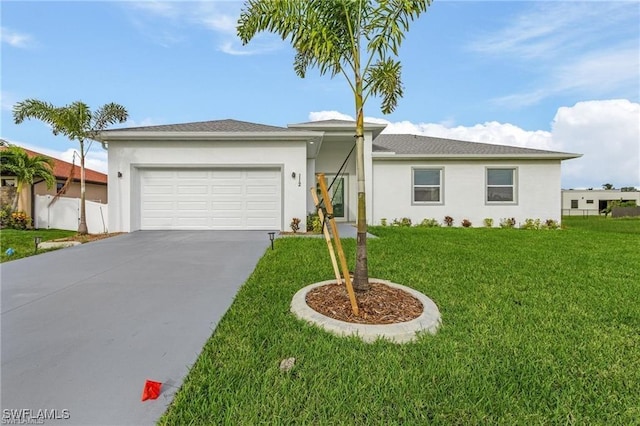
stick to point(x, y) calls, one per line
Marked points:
point(129, 157)
point(597, 198)
point(463, 192)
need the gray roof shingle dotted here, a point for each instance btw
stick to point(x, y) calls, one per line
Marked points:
point(406, 144)
point(206, 126)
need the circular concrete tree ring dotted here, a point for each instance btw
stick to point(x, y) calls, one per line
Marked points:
point(403, 332)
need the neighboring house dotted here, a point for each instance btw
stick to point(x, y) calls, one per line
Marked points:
point(591, 202)
point(96, 185)
point(230, 174)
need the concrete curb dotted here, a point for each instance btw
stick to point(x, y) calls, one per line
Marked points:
point(405, 332)
point(57, 244)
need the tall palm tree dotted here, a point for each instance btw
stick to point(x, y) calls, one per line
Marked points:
point(77, 122)
point(356, 38)
point(26, 168)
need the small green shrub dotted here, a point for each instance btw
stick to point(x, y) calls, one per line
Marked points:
point(508, 222)
point(448, 220)
point(551, 224)
point(5, 216)
point(466, 223)
point(383, 221)
point(404, 222)
point(19, 220)
point(295, 224)
point(429, 223)
point(530, 224)
point(488, 222)
point(314, 224)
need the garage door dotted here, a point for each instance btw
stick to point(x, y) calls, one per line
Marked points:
point(210, 199)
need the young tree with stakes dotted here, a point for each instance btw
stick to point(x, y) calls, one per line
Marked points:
point(77, 122)
point(359, 39)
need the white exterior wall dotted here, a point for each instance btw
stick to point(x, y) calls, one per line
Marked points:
point(595, 196)
point(463, 192)
point(131, 156)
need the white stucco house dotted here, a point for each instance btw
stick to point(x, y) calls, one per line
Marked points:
point(591, 202)
point(229, 174)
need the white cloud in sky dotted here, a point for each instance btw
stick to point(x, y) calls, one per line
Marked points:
point(15, 38)
point(588, 48)
point(220, 18)
point(607, 133)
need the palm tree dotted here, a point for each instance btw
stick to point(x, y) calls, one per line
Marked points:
point(26, 168)
point(356, 38)
point(77, 122)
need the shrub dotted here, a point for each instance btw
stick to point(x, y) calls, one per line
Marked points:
point(466, 223)
point(429, 223)
point(507, 222)
point(295, 224)
point(19, 220)
point(448, 220)
point(530, 224)
point(383, 221)
point(5, 216)
point(551, 224)
point(404, 222)
point(314, 224)
point(488, 222)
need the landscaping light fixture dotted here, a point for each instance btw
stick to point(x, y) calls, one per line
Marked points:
point(272, 235)
point(36, 242)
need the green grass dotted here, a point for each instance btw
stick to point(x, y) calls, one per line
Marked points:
point(22, 241)
point(539, 327)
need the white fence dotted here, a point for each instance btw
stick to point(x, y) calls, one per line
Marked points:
point(65, 214)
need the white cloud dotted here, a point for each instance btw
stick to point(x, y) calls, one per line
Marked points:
point(606, 132)
point(14, 38)
point(584, 48)
point(164, 22)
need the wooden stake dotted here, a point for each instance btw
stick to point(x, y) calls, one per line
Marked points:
point(327, 237)
point(336, 236)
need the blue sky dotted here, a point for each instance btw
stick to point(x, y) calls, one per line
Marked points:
point(560, 75)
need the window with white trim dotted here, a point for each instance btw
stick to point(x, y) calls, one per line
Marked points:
point(501, 185)
point(427, 186)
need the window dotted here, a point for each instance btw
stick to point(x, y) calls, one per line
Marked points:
point(589, 201)
point(427, 185)
point(574, 204)
point(501, 185)
point(59, 186)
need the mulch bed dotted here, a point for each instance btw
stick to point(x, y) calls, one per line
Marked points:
point(89, 237)
point(380, 305)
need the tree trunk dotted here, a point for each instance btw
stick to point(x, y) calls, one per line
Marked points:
point(16, 197)
point(82, 226)
point(361, 273)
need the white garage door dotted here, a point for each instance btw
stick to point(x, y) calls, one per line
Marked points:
point(210, 199)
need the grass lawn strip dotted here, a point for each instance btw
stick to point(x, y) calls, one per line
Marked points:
point(21, 241)
point(538, 327)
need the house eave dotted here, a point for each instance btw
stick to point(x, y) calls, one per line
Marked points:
point(382, 156)
point(208, 136)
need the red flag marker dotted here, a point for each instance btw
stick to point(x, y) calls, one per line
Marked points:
point(151, 390)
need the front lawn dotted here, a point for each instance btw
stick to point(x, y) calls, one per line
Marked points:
point(539, 327)
point(22, 241)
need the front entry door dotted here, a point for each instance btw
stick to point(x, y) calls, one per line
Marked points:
point(339, 196)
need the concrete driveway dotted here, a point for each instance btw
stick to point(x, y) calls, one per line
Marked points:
point(84, 327)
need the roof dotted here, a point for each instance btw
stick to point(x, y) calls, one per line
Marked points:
point(227, 125)
point(425, 146)
point(62, 170)
point(338, 125)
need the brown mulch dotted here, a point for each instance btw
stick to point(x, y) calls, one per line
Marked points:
point(89, 237)
point(380, 305)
